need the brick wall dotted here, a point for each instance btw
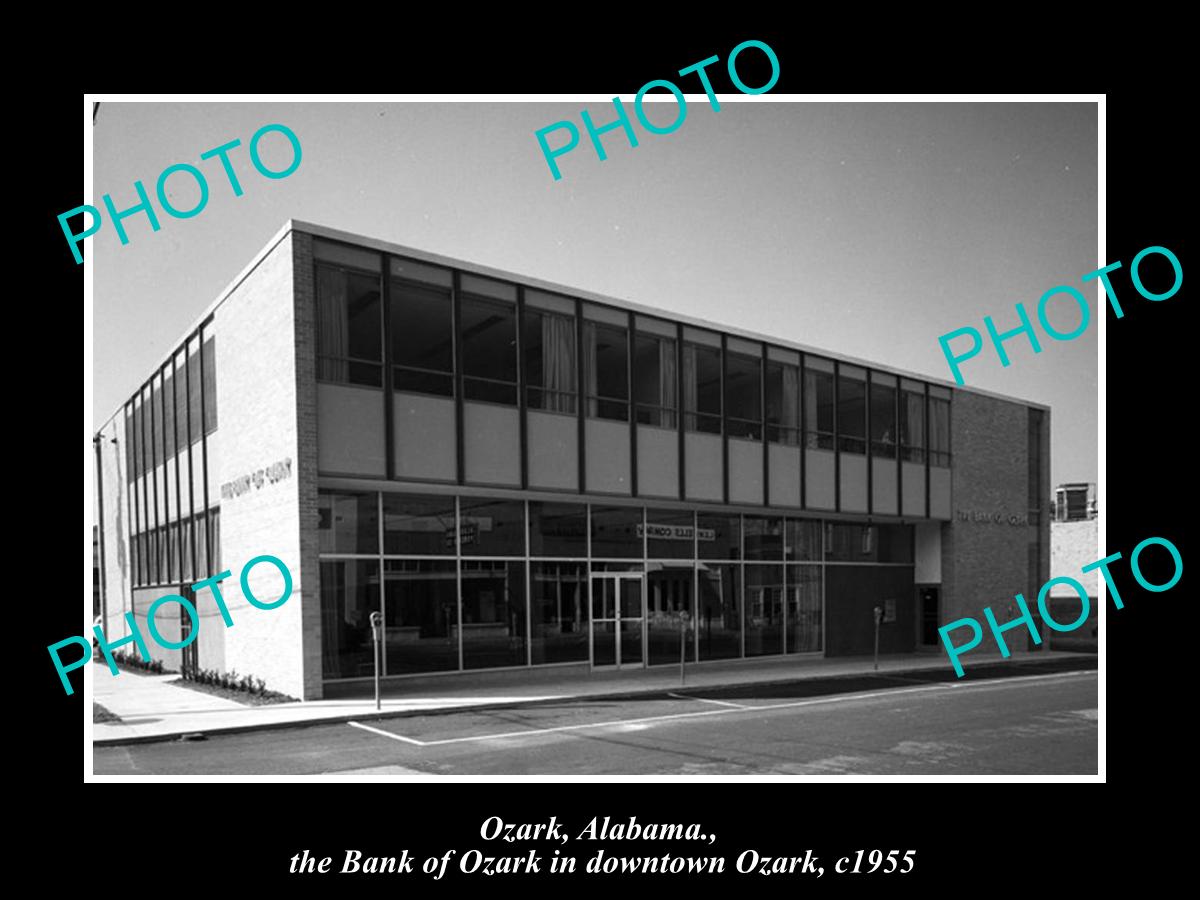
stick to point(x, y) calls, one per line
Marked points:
point(306, 458)
point(985, 563)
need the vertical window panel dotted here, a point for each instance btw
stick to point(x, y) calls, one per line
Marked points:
point(743, 395)
point(493, 613)
point(421, 619)
point(550, 369)
point(606, 370)
point(883, 420)
point(818, 404)
point(701, 388)
point(655, 380)
point(349, 327)
point(489, 347)
point(852, 410)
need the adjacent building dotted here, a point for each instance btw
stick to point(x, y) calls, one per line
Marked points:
point(516, 473)
point(1074, 543)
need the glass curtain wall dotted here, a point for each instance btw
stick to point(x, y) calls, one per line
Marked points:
point(483, 583)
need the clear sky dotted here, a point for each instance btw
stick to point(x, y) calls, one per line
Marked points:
point(867, 229)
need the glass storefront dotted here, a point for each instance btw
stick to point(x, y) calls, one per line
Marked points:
point(486, 583)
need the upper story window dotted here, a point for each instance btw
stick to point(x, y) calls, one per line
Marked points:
point(883, 415)
point(606, 363)
point(422, 328)
point(783, 396)
point(701, 381)
point(655, 375)
point(548, 338)
point(743, 389)
point(939, 426)
point(349, 326)
point(818, 403)
point(489, 343)
point(852, 409)
point(912, 421)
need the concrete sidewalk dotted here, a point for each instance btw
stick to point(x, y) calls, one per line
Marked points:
point(153, 709)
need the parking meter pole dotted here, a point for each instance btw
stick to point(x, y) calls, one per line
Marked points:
point(684, 621)
point(878, 616)
point(375, 639)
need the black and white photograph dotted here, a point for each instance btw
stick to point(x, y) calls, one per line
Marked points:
point(682, 435)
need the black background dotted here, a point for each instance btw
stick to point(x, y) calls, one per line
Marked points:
point(967, 835)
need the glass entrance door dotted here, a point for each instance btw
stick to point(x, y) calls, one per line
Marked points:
point(617, 619)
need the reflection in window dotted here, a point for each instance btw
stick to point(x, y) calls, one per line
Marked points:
point(939, 431)
point(557, 529)
point(718, 537)
point(489, 345)
point(669, 594)
point(348, 523)
point(617, 532)
point(912, 425)
point(818, 406)
point(804, 609)
point(349, 348)
point(493, 613)
point(422, 332)
point(763, 537)
point(764, 610)
point(783, 403)
point(702, 388)
point(549, 341)
point(803, 539)
point(492, 527)
point(743, 395)
point(868, 543)
point(655, 380)
point(852, 410)
point(719, 622)
point(421, 619)
point(349, 594)
point(558, 612)
point(418, 525)
point(670, 534)
point(606, 370)
point(883, 420)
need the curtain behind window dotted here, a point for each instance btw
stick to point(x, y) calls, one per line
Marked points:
point(558, 362)
point(789, 416)
point(939, 429)
point(691, 389)
point(914, 420)
point(666, 379)
point(332, 326)
point(810, 411)
point(591, 376)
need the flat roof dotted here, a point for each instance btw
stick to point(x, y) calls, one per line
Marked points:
point(553, 287)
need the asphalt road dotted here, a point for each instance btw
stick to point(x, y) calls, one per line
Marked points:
point(1013, 722)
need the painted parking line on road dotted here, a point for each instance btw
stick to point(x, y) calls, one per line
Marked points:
point(724, 710)
point(709, 700)
point(398, 737)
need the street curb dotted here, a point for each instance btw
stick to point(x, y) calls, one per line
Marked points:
point(378, 716)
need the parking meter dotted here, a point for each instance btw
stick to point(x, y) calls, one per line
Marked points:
point(376, 640)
